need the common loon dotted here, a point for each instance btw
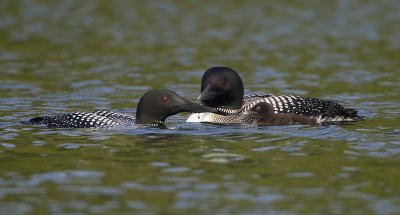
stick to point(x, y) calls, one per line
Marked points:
point(153, 109)
point(222, 89)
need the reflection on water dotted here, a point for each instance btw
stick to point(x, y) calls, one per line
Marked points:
point(63, 56)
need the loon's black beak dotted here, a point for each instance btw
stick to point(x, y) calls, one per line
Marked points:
point(206, 94)
point(192, 107)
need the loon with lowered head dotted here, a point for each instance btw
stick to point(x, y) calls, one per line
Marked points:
point(153, 109)
point(222, 89)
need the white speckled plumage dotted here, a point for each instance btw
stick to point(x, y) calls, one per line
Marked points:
point(100, 119)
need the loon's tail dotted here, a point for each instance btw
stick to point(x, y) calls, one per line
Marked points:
point(37, 120)
point(353, 114)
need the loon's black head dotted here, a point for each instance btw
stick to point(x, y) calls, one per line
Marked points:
point(156, 105)
point(221, 86)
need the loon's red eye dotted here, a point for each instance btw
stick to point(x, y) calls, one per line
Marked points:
point(164, 99)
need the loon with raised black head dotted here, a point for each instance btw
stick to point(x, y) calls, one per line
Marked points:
point(153, 109)
point(222, 89)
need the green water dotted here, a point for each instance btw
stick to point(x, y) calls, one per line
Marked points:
point(64, 56)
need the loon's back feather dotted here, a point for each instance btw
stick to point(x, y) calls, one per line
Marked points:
point(113, 115)
point(85, 120)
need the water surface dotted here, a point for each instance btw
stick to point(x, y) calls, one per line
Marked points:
point(64, 56)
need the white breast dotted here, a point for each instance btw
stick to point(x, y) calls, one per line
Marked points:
point(201, 117)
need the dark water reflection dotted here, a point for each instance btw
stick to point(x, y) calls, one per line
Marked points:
point(63, 56)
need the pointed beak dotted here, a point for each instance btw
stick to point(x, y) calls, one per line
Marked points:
point(192, 107)
point(206, 94)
